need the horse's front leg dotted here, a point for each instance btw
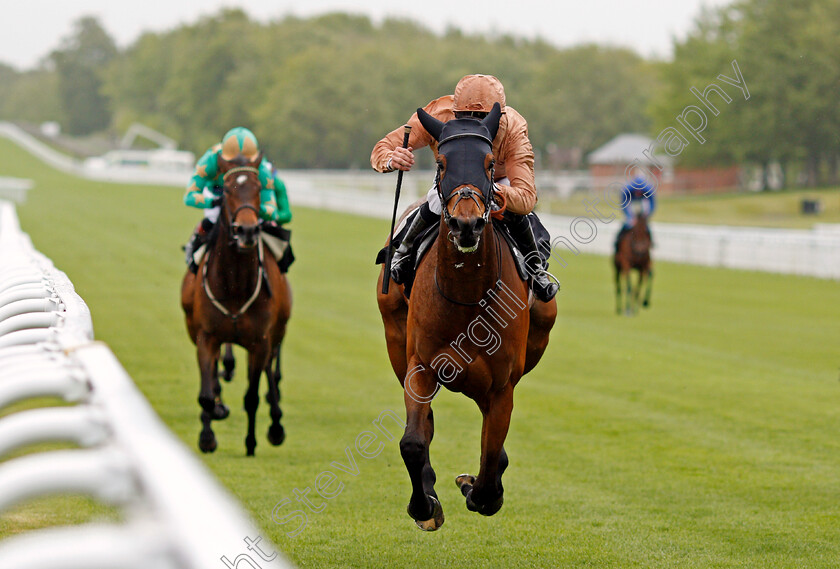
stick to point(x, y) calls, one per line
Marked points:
point(628, 292)
point(646, 301)
point(220, 411)
point(637, 294)
point(258, 357)
point(420, 388)
point(208, 355)
point(485, 494)
point(276, 433)
point(229, 362)
point(618, 290)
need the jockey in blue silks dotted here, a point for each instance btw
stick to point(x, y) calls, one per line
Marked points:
point(638, 196)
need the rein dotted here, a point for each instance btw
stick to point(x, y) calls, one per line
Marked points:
point(260, 270)
point(464, 193)
point(469, 193)
point(249, 302)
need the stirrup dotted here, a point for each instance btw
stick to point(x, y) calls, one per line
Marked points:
point(547, 291)
point(398, 266)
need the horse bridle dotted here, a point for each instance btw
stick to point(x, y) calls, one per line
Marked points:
point(232, 225)
point(465, 192)
point(260, 273)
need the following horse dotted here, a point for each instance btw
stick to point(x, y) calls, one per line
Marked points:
point(471, 324)
point(632, 252)
point(238, 296)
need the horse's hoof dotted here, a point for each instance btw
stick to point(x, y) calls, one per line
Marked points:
point(207, 443)
point(435, 521)
point(220, 411)
point(484, 509)
point(277, 435)
point(250, 445)
point(227, 375)
point(465, 483)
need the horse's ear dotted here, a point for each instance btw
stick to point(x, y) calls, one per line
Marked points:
point(222, 164)
point(430, 123)
point(491, 121)
point(255, 163)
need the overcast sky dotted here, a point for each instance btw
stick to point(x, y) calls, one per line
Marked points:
point(30, 29)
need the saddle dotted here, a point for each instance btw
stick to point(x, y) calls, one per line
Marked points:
point(275, 237)
point(424, 242)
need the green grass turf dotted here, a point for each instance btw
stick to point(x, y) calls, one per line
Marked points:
point(761, 209)
point(700, 434)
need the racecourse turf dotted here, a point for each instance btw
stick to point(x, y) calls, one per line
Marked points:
point(702, 433)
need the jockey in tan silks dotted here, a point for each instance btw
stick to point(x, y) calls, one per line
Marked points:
point(474, 96)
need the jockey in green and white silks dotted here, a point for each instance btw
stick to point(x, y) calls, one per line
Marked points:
point(206, 183)
point(204, 189)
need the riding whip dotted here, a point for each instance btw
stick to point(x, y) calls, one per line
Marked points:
point(386, 280)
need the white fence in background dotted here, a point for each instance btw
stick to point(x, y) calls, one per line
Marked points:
point(806, 252)
point(174, 515)
point(813, 253)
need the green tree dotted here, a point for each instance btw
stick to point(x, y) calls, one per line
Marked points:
point(79, 63)
point(584, 96)
point(31, 96)
point(786, 50)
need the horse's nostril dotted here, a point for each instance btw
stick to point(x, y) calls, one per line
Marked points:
point(479, 225)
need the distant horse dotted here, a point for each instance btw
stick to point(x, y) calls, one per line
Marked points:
point(238, 296)
point(632, 251)
point(471, 324)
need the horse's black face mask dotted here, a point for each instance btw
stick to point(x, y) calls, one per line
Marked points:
point(465, 170)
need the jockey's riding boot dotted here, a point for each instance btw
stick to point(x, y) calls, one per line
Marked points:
point(189, 250)
point(199, 238)
point(520, 229)
point(401, 263)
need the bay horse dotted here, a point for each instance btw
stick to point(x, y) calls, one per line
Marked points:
point(471, 324)
point(238, 296)
point(632, 252)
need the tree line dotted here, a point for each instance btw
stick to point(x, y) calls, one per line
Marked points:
point(319, 92)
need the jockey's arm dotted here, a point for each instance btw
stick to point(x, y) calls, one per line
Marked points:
point(627, 203)
point(419, 137)
point(518, 160)
point(205, 171)
point(274, 203)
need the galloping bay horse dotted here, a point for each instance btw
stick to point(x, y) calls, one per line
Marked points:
point(471, 324)
point(238, 296)
point(633, 252)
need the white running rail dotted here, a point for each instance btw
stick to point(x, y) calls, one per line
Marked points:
point(174, 515)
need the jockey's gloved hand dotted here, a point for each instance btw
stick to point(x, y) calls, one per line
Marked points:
point(268, 206)
point(268, 212)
